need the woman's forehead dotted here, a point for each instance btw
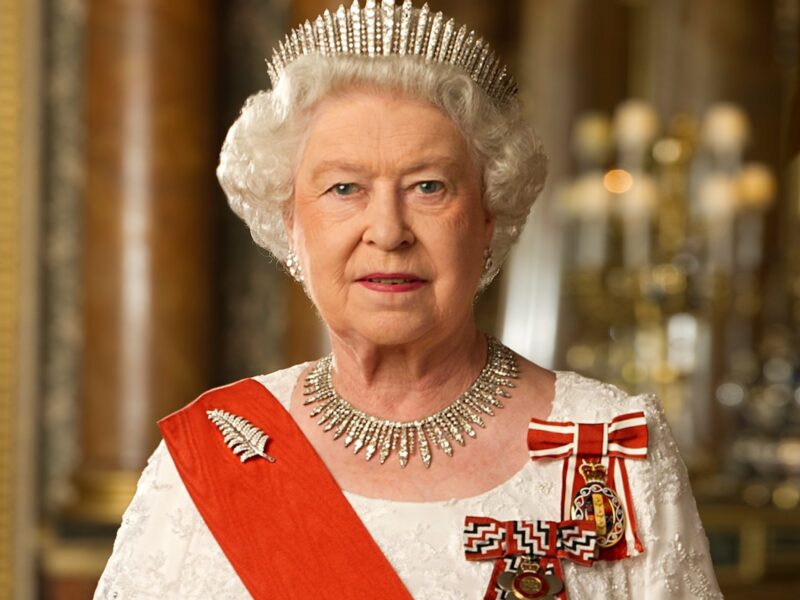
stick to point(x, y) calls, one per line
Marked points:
point(353, 125)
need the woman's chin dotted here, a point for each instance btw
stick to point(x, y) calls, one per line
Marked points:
point(394, 330)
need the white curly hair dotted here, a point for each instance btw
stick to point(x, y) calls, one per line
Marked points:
point(264, 145)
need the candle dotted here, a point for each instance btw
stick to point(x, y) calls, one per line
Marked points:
point(756, 190)
point(636, 207)
point(718, 205)
point(635, 128)
point(725, 131)
point(591, 204)
point(591, 140)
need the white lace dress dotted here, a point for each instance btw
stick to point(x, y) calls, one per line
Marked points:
point(163, 549)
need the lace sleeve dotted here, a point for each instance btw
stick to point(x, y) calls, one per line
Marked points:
point(677, 559)
point(676, 563)
point(163, 548)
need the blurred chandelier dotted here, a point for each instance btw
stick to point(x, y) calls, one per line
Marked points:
point(666, 281)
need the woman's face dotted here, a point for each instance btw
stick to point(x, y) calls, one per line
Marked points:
point(388, 220)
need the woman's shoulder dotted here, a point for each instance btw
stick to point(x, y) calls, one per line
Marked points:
point(584, 399)
point(281, 383)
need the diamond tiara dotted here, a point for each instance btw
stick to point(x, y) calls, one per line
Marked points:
point(382, 29)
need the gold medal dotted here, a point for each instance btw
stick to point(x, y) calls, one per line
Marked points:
point(598, 502)
point(528, 581)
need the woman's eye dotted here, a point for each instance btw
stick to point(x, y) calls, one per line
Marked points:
point(344, 189)
point(430, 187)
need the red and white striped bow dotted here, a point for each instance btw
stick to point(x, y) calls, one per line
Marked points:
point(486, 538)
point(505, 541)
point(624, 437)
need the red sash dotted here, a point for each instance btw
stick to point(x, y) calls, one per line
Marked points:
point(286, 528)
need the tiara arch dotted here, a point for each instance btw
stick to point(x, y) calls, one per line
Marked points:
point(383, 29)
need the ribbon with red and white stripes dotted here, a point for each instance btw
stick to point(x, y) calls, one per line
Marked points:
point(624, 437)
point(506, 542)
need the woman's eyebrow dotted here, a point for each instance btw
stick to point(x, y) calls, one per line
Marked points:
point(336, 165)
point(443, 162)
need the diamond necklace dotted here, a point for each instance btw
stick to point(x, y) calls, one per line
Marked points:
point(383, 436)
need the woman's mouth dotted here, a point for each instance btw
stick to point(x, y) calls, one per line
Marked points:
point(392, 282)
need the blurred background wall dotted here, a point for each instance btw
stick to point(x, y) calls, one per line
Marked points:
point(663, 256)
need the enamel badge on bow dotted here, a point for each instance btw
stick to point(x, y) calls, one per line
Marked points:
point(594, 479)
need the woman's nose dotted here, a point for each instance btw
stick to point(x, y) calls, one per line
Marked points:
point(387, 226)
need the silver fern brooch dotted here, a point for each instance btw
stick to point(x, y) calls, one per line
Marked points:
point(242, 437)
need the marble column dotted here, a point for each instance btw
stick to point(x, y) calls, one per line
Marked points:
point(150, 206)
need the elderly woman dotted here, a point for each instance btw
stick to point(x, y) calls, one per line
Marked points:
point(390, 169)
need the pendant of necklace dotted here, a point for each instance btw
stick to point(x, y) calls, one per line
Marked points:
point(383, 437)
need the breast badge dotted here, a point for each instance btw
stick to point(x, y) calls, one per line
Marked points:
point(530, 581)
point(598, 502)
